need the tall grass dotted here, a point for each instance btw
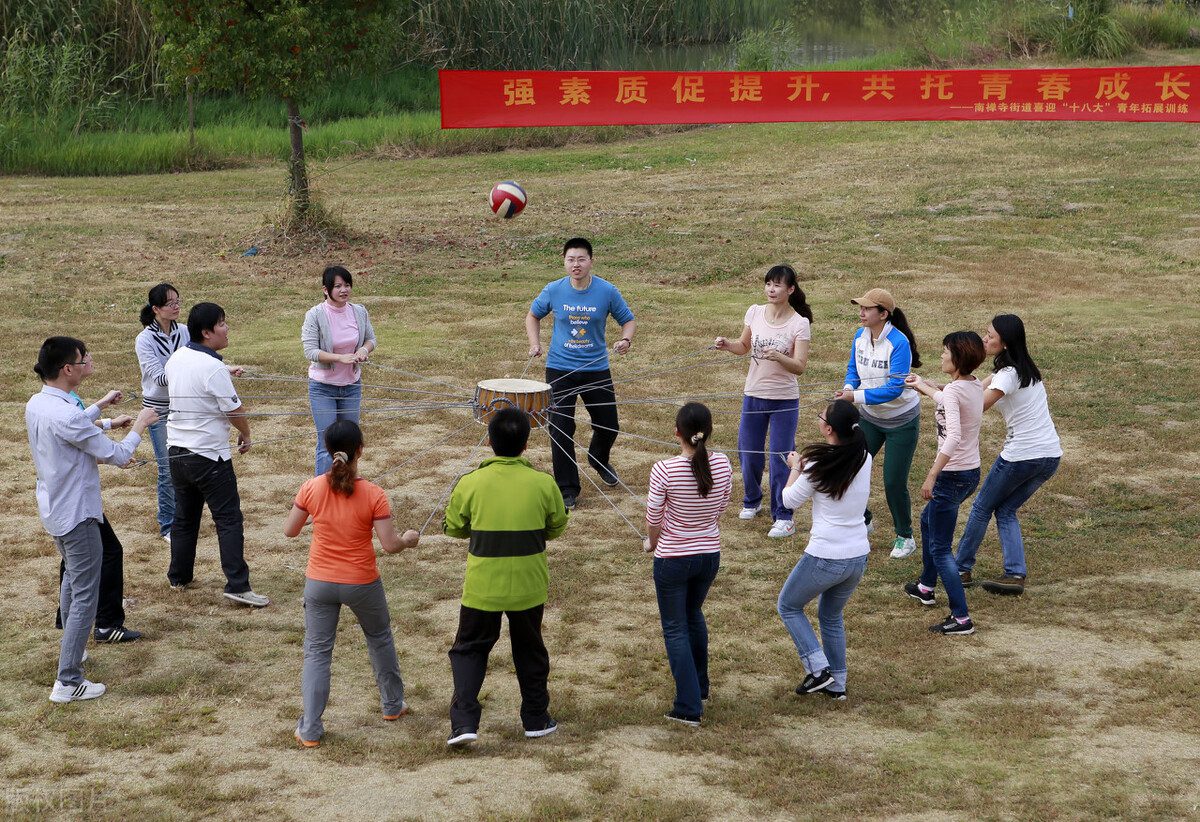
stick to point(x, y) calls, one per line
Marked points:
point(64, 84)
point(1066, 29)
point(565, 34)
point(118, 34)
point(1171, 24)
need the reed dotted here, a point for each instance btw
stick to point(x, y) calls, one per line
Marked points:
point(566, 34)
point(1171, 24)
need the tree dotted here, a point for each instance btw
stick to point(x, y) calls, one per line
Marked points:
point(287, 48)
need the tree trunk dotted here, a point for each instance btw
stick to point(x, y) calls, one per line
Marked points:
point(191, 106)
point(296, 165)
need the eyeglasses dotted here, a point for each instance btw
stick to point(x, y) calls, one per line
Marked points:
point(821, 417)
point(84, 361)
point(172, 304)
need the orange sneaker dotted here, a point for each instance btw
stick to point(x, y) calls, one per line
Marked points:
point(402, 712)
point(314, 743)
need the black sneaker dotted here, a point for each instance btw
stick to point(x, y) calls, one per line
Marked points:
point(1007, 584)
point(815, 682)
point(568, 502)
point(462, 736)
point(117, 634)
point(839, 696)
point(545, 729)
point(690, 721)
point(952, 627)
point(608, 475)
point(914, 591)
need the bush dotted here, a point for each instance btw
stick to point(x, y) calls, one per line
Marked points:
point(1092, 32)
point(764, 50)
point(1170, 25)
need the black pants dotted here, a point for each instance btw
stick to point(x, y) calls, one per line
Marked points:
point(596, 389)
point(477, 633)
point(110, 613)
point(198, 480)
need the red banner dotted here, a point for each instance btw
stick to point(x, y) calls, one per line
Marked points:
point(499, 99)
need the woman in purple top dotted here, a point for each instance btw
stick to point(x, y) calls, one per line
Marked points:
point(776, 336)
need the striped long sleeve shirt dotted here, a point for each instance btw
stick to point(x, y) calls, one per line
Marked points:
point(153, 349)
point(688, 520)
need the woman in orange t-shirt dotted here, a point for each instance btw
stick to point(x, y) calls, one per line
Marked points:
point(345, 509)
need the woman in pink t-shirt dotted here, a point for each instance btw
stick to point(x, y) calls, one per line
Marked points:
point(337, 336)
point(952, 478)
point(776, 337)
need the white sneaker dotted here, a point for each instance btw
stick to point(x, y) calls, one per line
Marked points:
point(750, 513)
point(167, 537)
point(249, 598)
point(62, 694)
point(903, 546)
point(782, 528)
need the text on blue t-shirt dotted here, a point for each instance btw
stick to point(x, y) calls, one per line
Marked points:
point(579, 320)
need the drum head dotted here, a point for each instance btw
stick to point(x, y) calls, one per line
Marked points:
point(514, 386)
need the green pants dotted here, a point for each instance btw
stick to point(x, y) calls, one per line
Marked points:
point(897, 463)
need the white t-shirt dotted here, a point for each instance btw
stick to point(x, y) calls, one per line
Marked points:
point(201, 393)
point(838, 529)
point(1031, 434)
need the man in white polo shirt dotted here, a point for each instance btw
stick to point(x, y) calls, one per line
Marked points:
point(204, 405)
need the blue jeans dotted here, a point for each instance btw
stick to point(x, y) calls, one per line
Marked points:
point(780, 416)
point(833, 580)
point(331, 403)
point(682, 583)
point(938, 519)
point(166, 491)
point(1007, 487)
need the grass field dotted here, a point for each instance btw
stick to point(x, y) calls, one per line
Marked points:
point(1076, 701)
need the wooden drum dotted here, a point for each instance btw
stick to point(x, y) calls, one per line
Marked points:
point(530, 396)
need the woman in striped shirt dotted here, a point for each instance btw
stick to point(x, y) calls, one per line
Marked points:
point(687, 496)
point(161, 336)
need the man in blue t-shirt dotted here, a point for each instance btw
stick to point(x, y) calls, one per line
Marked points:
point(577, 362)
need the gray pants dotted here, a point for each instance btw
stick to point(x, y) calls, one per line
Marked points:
point(79, 595)
point(323, 603)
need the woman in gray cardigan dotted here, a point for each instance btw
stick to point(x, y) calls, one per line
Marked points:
point(337, 336)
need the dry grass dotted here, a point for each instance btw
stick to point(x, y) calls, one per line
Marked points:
point(1075, 701)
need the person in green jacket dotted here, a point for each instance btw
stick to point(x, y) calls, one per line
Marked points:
point(508, 510)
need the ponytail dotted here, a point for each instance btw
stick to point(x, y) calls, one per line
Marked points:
point(787, 275)
point(343, 441)
point(831, 468)
point(900, 322)
point(694, 424)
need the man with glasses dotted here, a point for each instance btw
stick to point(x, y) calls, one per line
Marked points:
point(66, 447)
point(577, 363)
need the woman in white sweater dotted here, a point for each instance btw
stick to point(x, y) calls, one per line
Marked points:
point(836, 476)
point(162, 335)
